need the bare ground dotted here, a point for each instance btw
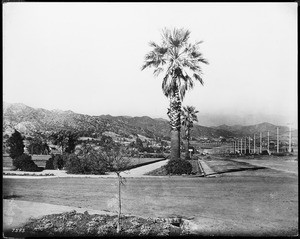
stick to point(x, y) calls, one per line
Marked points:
point(248, 202)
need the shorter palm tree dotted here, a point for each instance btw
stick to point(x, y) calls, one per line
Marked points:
point(188, 116)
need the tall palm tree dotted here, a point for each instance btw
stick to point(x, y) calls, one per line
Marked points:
point(187, 118)
point(179, 61)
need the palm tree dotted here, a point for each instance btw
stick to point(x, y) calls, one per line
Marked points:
point(187, 119)
point(179, 61)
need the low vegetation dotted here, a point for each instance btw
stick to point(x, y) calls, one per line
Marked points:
point(175, 167)
point(56, 162)
point(83, 224)
point(25, 163)
point(27, 174)
point(178, 166)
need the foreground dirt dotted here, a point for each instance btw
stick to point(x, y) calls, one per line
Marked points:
point(256, 202)
point(83, 224)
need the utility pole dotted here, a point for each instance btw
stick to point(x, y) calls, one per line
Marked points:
point(268, 141)
point(245, 145)
point(290, 139)
point(277, 139)
point(254, 143)
point(241, 146)
point(260, 137)
point(249, 144)
point(234, 144)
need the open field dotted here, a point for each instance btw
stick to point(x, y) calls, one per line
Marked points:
point(226, 165)
point(251, 202)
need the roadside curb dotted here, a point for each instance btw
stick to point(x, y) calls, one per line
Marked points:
point(206, 169)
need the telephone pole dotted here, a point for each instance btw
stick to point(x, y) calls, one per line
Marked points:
point(277, 139)
point(268, 141)
point(290, 139)
point(249, 144)
point(245, 145)
point(241, 146)
point(260, 137)
point(254, 143)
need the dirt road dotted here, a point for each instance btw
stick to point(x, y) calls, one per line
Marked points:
point(289, 166)
point(260, 202)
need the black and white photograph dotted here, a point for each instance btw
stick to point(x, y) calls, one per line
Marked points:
point(158, 119)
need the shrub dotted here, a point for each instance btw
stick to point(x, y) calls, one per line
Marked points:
point(56, 162)
point(25, 163)
point(178, 166)
point(49, 163)
point(15, 145)
point(89, 163)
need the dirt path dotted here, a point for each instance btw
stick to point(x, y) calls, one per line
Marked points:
point(17, 212)
point(281, 165)
point(140, 171)
point(253, 203)
point(207, 170)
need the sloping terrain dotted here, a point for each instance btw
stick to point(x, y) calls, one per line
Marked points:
point(28, 119)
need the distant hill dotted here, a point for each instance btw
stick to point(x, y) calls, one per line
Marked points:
point(250, 130)
point(28, 120)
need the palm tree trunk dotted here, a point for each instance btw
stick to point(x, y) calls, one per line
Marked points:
point(119, 212)
point(188, 144)
point(174, 115)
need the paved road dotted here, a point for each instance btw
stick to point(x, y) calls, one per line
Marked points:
point(207, 170)
point(140, 171)
point(288, 166)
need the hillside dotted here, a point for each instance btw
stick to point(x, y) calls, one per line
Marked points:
point(29, 120)
point(250, 130)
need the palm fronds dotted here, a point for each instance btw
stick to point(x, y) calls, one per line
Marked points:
point(178, 59)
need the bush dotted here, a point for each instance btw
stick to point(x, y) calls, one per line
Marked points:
point(15, 145)
point(86, 164)
point(56, 162)
point(25, 163)
point(49, 163)
point(178, 166)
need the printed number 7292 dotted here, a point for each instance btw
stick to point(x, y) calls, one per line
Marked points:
point(18, 230)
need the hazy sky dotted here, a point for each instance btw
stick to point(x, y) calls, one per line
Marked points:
point(86, 57)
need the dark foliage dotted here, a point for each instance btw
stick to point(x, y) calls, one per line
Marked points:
point(138, 144)
point(71, 143)
point(37, 146)
point(56, 162)
point(87, 161)
point(152, 155)
point(59, 161)
point(49, 163)
point(15, 144)
point(107, 142)
point(178, 166)
point(66, 139)
point(149, 149)
point(25, 163)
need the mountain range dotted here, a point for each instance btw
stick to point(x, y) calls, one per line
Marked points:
point(28, 120)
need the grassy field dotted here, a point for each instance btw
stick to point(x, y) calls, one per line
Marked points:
point(252, 202)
